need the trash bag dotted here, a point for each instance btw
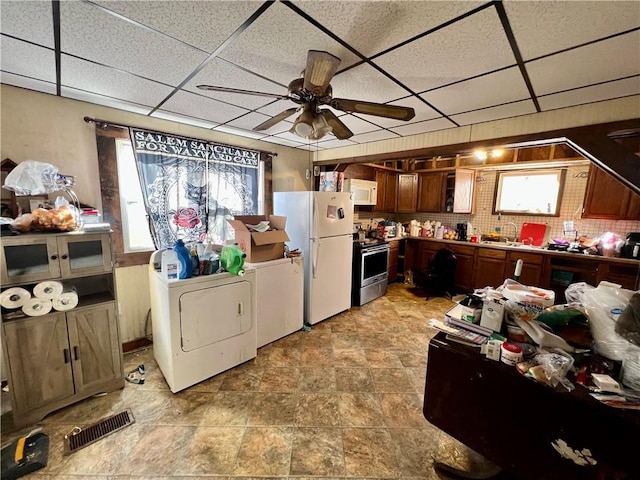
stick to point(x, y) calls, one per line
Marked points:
point(31, 177)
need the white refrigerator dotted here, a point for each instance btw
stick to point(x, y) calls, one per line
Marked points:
point(320, 224)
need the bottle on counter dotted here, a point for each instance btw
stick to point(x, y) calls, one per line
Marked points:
point(170, 264)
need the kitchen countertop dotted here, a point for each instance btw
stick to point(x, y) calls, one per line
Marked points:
point(525, 249)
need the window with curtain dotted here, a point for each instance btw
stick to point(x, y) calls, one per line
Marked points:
point(188, 197)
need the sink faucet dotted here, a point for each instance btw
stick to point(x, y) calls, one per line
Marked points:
point(515, 231)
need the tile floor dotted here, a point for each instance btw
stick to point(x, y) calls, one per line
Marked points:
point(341, 401)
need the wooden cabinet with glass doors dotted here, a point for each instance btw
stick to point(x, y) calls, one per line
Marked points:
point(61, 357)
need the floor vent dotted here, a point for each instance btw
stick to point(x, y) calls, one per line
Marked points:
point(80, 438)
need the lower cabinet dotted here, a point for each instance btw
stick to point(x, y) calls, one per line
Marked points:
point(464, 266)
point(532, 266)
point(489, 268)
point(394, 251)
point(61, 358)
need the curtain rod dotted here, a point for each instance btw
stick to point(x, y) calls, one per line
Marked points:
point(106, 123)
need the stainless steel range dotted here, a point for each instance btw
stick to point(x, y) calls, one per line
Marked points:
point(370, 264)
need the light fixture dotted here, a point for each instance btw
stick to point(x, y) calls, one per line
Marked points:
point(310, 124)
point(480, 154)
point(320, 127)
point(497, 153)
point(303, 126)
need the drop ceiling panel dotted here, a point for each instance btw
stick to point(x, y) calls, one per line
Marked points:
point(355, 124)
point(333, 142)
point(87, 76)
point(90, 97)
point(29, 83)
point(223, 74)
point(374, 136)
point(238, 131)
point(276, 45)
point(25, 59)
point(31, 21)
point(599, 62)
point(595, 93)
point(88, 32)
point(488, 90)
point(469, 47)
point(495, 113)
point(197, 23)
point(366, 83)
point(560, 25)
point(371, 27)
point(423, 127)
point(253, 119)
point(199, 106)
point(276, 107)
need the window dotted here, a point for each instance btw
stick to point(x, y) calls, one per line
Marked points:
point(532, 192)
point(135, 226)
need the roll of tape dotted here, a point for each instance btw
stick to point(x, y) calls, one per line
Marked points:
point(48, 289)
point(35, 307)
point(14, 297)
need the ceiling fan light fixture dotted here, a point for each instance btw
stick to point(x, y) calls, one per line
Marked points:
point(320, 127)
point(303, 126)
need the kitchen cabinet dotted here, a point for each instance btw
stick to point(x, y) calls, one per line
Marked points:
point(607, 198)
point(407, 193)
point(464, 266)
point(489, 268)
point(431, 192)
point(62, 357)
point(464, 190)
point(387, 191)
point(532, 265)
point(560, 272)
point(394, 252)
point(626, 275)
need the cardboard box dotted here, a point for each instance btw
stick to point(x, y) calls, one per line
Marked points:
point(260, 246)
point(493, 313)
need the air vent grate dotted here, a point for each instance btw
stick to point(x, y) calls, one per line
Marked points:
point(80, 438)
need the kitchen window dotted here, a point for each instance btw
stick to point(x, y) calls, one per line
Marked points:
point(531, 192)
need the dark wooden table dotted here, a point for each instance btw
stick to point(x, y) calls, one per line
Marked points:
point(514, 421)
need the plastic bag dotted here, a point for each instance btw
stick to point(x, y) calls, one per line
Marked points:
point(542, 337)
point(524, 294)
point(628, 324)
point(603, 306)
point(556, 366)
point(31, 178)
point(575, 292)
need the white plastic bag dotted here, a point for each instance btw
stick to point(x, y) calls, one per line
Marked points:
point(31, 178)
point(604, 305)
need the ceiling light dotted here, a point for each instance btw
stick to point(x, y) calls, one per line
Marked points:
point(497, 153)
point(303, 126)
point(480, 154)
point(320, 127)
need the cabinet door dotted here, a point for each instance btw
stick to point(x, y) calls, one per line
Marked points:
point(430, 192)
point(407, 193)
point(463, 198)
point(29, 258)
point(381, 180)
point(531, 268)
point(391, 192)
point(95, 351)
point(393, 261)
point(39, 361)
point(606, 197)
point(84, 254)
point(464, 267)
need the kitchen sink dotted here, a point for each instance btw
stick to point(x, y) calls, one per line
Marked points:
point(509, 244)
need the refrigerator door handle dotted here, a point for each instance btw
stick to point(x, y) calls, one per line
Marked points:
point(314, 233)
point(315, 249)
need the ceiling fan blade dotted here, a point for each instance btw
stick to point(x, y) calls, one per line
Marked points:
point(275, 119)
point(321, 67)
point(369, 108)
point(339, 129)
point(246, 92)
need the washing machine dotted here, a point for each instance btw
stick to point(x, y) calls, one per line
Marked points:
point(202, 325)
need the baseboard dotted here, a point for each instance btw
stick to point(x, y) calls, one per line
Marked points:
point(136, 344)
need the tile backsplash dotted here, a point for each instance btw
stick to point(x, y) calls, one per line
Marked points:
point(484, 221)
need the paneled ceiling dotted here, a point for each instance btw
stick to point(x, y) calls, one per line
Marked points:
point(455, 62)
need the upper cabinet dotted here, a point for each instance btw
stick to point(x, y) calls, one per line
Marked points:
point(464, 190)
point(607, 198)
point(407, 193)
point(387, 191)
point(431, 192)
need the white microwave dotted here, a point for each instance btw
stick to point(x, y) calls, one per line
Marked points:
point(363, 192)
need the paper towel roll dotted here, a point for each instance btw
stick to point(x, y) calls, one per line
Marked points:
point(67, 300)
point(48, 289)
point(34, 307)
point(14, 297)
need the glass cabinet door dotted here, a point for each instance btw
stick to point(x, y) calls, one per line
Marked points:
point(27, 259)
point(84, 254)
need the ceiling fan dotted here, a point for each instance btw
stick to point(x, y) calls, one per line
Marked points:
point(313, 90)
